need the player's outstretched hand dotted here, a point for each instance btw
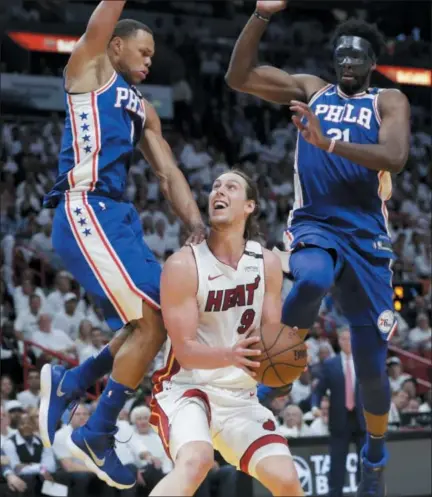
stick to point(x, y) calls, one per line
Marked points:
point(270, 6)
point(310, 130)
point(242, 356)
point(197, 235)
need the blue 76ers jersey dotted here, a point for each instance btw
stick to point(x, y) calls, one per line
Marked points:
point(101, 130)
point(330, 190)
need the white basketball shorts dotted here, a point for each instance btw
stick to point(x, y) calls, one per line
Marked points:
point(233, 421)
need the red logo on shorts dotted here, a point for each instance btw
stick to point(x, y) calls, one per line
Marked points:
point(269, 425)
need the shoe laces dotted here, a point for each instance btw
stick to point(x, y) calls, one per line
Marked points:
point(113, 441)
point(73, 406)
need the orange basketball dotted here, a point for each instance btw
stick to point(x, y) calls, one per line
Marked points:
point(284, 354)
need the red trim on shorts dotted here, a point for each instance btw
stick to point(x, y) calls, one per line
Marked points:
point(195, 392)
point(254, 446)
point(158, 417)
point(98, 141)
point(160, 421)
point(129, 282)
point(115, 303)
point(75, 144)
point(171, 368)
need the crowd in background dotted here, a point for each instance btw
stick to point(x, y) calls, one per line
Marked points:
point(41, 302)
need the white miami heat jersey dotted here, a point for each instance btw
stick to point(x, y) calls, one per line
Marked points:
point(230, 303)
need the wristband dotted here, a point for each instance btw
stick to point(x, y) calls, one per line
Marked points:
point(331, 146)
point(262, 18)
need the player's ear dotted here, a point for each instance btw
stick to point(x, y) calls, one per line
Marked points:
point(116, 45)
point(250, 206)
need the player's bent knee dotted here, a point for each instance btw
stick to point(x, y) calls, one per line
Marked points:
point(371, 375)
point(286, 484)
point(151, 323)
point(314, 286)
point(279, 475)
point(195, 460)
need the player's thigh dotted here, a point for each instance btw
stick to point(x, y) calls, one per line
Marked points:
point(152, 331)
point(182, 418)
point(97, 243)
point(77, 260)
point(366, 294)
point(246, 435)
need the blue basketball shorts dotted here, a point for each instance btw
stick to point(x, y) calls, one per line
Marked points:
point(363, 275)
point(100, 241)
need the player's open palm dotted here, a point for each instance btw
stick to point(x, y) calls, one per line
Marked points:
point(270, 6)
point(307, 123)
point(243, 357)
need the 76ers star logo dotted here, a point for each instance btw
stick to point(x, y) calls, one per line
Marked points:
point(386, 321)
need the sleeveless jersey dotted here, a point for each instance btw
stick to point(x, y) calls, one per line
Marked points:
point(102, 128)
point(333, 191)
point(230, 303)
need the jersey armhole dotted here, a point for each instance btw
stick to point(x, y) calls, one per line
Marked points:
point(318, 93)
point(196, 269)
point(98, 91)
point(375, 106)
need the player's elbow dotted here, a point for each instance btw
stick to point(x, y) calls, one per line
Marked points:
point(396, 163)
point(182, 355)
point(233, 81)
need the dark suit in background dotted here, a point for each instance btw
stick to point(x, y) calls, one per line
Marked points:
point(345, 425)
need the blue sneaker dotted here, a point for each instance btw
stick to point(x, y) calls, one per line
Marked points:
point(55, 398)
point(97, 451)
point(372, 483)
point(266, 394)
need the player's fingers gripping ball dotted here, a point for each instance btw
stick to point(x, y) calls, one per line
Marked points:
point(284, 354)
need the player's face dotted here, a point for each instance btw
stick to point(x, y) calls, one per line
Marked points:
point(135, 56)
point(354, 61)
point(228, 202)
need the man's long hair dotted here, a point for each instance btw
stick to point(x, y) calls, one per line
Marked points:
point(252, 230)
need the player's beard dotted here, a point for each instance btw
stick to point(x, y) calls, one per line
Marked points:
point(359, 82)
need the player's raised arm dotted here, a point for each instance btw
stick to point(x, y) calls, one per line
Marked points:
point(267, 82)
point(93, 44)
point(172, 182)
point(179, 285)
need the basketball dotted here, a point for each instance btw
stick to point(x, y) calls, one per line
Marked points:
point(284, 354)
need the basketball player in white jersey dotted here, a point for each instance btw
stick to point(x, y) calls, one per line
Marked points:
point(212, 294)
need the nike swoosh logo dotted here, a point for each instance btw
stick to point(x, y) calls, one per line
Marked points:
point(60, 392)
point(211, 278)
point(97, 461)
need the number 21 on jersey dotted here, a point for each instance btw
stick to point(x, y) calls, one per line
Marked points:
point(339, 134)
